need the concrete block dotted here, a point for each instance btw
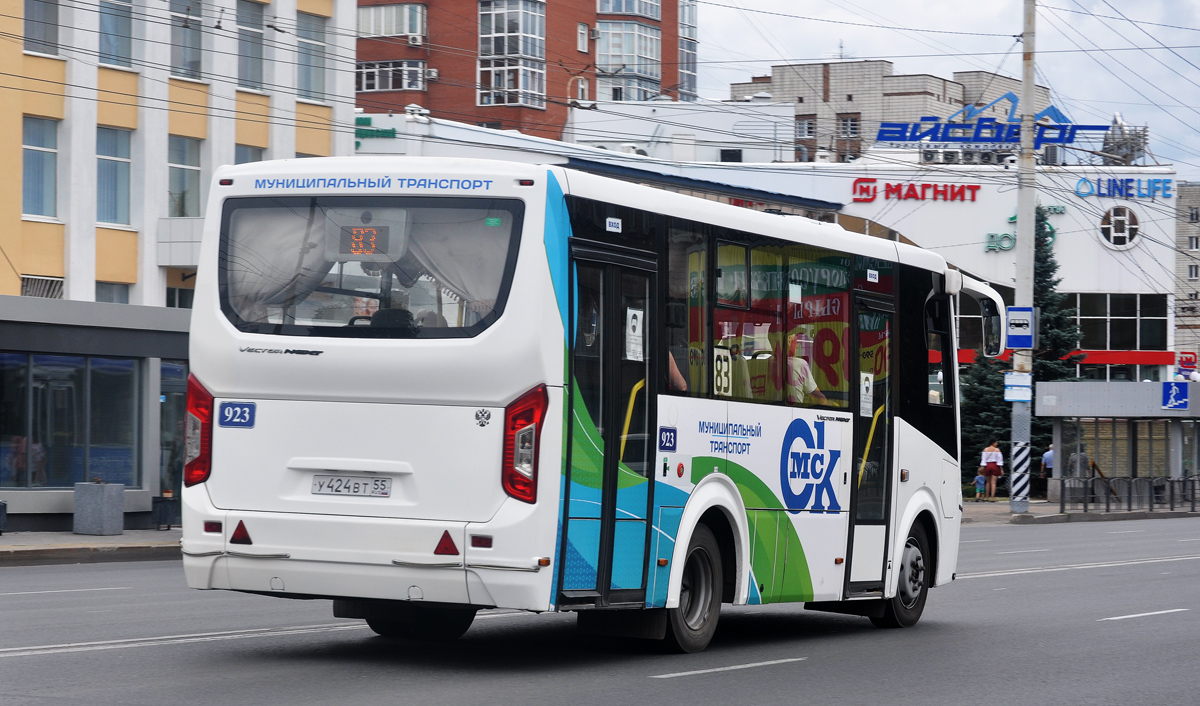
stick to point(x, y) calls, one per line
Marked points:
point(99, 508)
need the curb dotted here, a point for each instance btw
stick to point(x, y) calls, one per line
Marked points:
point(42, 556)
point(1059, 518)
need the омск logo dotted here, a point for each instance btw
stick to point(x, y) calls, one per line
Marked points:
point(806, 469)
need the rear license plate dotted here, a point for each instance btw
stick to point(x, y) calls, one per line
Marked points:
point(352, 485)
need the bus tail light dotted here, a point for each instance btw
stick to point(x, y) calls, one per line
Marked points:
point(522, 436)
point(197, 457)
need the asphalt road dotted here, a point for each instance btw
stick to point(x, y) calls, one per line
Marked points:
point(1090, 613)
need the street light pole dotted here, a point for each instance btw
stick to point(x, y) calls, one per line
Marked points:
point(1026, 213)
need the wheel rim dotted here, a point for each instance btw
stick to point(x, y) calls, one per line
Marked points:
point(696, 589)
point(912, 577)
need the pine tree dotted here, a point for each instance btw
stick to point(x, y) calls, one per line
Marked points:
point(985, 414)
point(1058, 335)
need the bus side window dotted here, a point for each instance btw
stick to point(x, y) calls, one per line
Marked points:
point(686, 368)
point(941, 356)
point(818, 324)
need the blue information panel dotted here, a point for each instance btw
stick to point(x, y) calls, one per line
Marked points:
point(236, 414)
point(1020, 327)
point(1174, 395)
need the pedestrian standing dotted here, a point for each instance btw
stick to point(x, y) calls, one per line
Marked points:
point(1048, 462)
point(993, 466)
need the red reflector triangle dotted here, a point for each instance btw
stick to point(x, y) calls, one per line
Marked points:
point(446, 545)
point(240, 535)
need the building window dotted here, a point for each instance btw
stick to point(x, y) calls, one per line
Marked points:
point(1122, 321)
point(632, 48)
point(390, 76)
point(731, 155)
point(1193, 214)
point(582, 35)
point(581, 89)
point(391, 20)
point(310, 54)
point(687, 70)
point(806, 128)
point(1193, 242)
point(41, 26)
point(116, 33)
point(112, 175)
point(79, 424)
point(516, 31)
point(250, 44)
point(186, 52)
point(183, 182)
point(244, 154)
point(849, 98)
point(112, 292)
point(848, 127)
point(645, 8)
point(1193, 272)
point(39, 174)
point(180, 298)
point(1119, 226)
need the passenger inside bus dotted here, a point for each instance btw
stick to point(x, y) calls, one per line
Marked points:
point(802, 383)
point(675, 380)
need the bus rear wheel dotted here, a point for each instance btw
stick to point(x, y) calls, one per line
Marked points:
point(690, 627)
point(904, 609)
point(426, 622)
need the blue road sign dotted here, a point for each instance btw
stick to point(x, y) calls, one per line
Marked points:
point(1020, 327)
point(1174, 395)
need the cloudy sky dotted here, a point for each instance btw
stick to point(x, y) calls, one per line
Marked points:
point(1127, 69)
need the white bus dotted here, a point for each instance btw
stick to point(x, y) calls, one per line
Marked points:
point(423, 387)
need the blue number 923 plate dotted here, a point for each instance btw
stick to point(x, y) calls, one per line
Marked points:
point(236, 414)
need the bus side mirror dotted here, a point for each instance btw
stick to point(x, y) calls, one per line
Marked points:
point(993, 328)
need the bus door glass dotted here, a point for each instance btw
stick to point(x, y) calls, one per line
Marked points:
point(608, 490)
point(869, 506)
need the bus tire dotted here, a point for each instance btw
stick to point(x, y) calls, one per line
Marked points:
point(426, 622)
point(690, 627)
point(904, 609)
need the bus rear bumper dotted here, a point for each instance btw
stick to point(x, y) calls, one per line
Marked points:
point(331, 556)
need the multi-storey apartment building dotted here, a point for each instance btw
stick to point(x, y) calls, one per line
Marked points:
point(1187, 268)
point(839, 105)
point(114, 115)
point(518, 64)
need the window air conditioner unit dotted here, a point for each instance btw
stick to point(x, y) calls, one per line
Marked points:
point(987, 157)
point(930, 156)
point(1053, 154)
point(950, 157)
point(431, 74)
point(415, 40)
point(595, 33)
point(970, 157)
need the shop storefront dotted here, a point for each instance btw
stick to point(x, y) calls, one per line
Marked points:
point(88, 393)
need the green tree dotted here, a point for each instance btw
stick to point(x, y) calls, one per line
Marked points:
point(985, 414)
point(1058, 335)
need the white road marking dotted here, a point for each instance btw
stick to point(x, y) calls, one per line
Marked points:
point(1000, 589)
point(972, 541)
point(66, 590)
point(1193, 539)
point(1073, 567)
point(174, 639)
point(1025, 551)
point(1126, 532)
point(751, 665)
point(1143, 615)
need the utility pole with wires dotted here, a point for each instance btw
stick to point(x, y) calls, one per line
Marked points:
point(1026, 213)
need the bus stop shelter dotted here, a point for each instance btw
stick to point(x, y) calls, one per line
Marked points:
point(1120, 429)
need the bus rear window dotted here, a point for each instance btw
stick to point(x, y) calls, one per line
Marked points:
point(367, 266)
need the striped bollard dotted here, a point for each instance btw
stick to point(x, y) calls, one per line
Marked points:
point(1019, 487)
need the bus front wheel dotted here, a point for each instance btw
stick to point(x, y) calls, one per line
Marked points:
point(690, 627)
point(904, 609)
